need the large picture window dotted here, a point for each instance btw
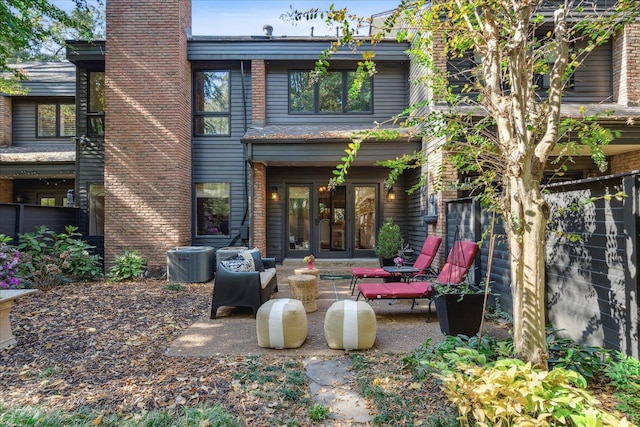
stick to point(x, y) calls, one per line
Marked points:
point(212, 205)
point(332, 94)
point(212, 115)
point(56, 120)
point(95, 104)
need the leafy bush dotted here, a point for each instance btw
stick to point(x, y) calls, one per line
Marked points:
point(585, 360)
point(389, 242)
point(57, 258)
point(624, 373)
point(10, 263)
point(128, 266)
point(510, 392)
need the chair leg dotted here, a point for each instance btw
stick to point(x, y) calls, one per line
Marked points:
point(214, 312)
point(358, 297)
point(429, 312)
point(352, 285)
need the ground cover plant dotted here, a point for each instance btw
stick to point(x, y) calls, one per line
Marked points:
point(489, 387)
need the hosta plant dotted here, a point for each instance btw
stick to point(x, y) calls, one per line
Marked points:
point(510, 392)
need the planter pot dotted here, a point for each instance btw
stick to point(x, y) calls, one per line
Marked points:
point(459, 316)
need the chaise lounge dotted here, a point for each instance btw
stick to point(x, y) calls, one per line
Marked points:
point(454, 272)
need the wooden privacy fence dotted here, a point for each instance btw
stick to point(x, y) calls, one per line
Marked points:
point(19, 218)
point(591, 258)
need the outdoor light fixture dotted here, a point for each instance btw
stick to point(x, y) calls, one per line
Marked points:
point(274, 194)
point(391, 195)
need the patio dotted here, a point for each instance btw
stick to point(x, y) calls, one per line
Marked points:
point(400, 329)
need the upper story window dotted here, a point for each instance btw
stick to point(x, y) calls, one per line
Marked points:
point(95, 103)
point(56, 120)
point(331, 94)
point(212, 112)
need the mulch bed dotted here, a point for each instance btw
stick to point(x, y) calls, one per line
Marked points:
point(101, 346)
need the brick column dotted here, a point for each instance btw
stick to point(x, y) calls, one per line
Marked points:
point(258, 93)
point(147, 129)
point(441, 174)
point(259, 215)
point(5, 121)
point(626, 62)
point(6, 191)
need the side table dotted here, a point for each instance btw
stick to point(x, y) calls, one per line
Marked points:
point(302, 288)
point(7, 299)
point(312, 271)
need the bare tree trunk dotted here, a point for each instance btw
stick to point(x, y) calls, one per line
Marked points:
point(526, 234)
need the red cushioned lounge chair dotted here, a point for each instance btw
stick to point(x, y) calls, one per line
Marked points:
point(454, 272)
point(422, 263)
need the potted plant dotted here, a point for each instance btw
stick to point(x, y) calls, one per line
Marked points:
point(389, 242)
point(459, 308)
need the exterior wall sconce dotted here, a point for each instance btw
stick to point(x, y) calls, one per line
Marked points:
point(19, 198)
point(274, 194)
point(391, 195)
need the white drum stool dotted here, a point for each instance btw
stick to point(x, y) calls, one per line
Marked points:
point(350, 325)
point(281, 323)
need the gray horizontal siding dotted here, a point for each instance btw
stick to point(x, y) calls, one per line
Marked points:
point(222, 159)
point(592, 81)
point(390, 95)
point(328, 154)
point(50, 89)
point(24, 123)
point(217, 48)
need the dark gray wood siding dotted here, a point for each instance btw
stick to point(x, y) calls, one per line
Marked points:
point(203, 48)
point(24, 122)
point(390, 94)
point(90, 160)
point(223, 158)
point(592, 262)
point(592, 81)
point(591, 258)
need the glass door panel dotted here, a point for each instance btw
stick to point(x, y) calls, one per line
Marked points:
point(298, 204)
point(332, 219)
point(365, 217)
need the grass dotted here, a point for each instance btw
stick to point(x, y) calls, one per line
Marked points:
point(211, 416)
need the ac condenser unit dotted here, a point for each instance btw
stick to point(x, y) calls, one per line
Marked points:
point(190, 264)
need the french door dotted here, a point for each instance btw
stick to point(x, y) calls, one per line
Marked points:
point(336, 223)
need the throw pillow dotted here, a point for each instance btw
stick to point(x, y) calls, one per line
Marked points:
point(237, 264)
point(254, 257)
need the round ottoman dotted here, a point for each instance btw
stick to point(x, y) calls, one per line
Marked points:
point(281, 323)
point(311, 271)
point(303, 289)
point(350, 325)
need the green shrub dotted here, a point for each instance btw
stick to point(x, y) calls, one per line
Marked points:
point(58, 258)
point(511, 392)
point(389, 242)
point(588, 361)
point(624, 373)
point(128, 266)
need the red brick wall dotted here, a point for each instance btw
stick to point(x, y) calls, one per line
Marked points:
point(6, 191)
point(5, 121)
point(625, 162)
point(147, 129)
point(258, 93)
point(441, 174)
point(626, 62)
point(259, 232)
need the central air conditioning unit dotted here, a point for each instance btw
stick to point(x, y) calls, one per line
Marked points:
point(190, 264)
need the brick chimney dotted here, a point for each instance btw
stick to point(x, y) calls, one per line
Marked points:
point(147, 129)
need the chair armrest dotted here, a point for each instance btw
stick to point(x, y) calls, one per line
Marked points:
point(269, 262)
